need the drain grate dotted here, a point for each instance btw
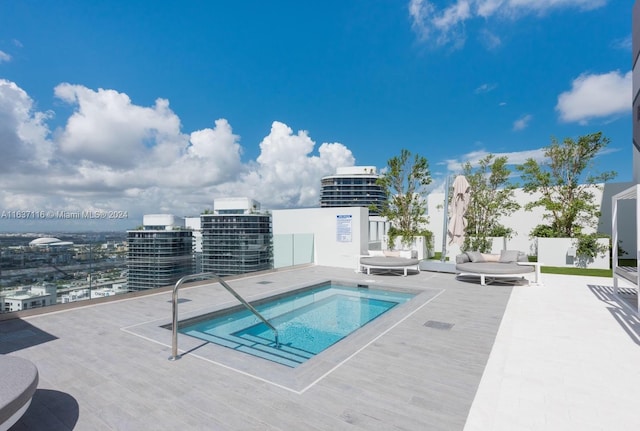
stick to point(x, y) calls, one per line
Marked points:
point(264, 282)
point(438, 325)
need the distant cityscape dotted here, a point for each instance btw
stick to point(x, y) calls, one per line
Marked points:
point(40, 269)
point(69, 265)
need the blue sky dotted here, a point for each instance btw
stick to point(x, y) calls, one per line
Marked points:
point(154, 107)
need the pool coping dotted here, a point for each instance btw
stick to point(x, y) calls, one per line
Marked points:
point(307, 374)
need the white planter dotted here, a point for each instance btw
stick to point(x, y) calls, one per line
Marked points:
point(418, 245)
point(561, 252)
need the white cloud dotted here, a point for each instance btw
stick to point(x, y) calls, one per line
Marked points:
point(623, 44)
point(596, 96)
point(420, 11)
point(24, 133)
point(522, 122)
point(485, 88)
point(287, 172)
point(490, 40)
point(4, 57)
point(514, 158)
point(446, 25)
point(107, 128)
point(115, 155)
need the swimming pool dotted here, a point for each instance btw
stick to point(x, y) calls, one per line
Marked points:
point(308, 321)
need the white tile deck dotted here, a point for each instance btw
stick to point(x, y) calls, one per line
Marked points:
point(567, 356)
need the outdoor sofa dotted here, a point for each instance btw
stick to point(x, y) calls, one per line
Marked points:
point(388, 263)
point(508, 265)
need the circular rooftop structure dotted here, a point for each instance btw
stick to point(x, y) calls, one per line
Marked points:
point(49, 242)
point(44, 241)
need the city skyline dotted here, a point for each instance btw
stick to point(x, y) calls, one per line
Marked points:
point(117, 110)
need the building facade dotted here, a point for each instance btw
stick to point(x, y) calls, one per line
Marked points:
point(26, 298)
point(636, 90)
point(160, 253)
point(236, 238)
point(352, 187)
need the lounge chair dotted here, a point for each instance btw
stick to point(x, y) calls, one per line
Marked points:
point(508, 265)
point(388, 264)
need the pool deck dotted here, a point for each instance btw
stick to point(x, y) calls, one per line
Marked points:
point(560, 356)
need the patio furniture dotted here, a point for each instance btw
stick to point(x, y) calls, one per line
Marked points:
point(19, 379)
point(509, 265)
point(389, 264)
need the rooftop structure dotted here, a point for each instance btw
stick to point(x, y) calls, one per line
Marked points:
point(352, 187)
point(49, 242)
point(26, 298)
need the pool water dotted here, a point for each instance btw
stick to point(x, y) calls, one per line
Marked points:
point(307, 322)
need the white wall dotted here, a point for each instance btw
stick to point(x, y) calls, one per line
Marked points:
point(167, 220)
point(323, 224)
point(522, 222)
point(561, 252)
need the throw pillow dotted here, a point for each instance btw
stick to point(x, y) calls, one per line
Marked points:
point(490, 257)
point(475, 256)
point(507, 256)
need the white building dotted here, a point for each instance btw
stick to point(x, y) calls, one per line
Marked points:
point(353, 186)
point(40, 295)
point(236, 238)
point(160, 253)
point(195, 225)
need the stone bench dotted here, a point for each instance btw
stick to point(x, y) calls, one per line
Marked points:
point(19, 381)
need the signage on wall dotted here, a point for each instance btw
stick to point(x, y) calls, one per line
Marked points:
point(343, 228)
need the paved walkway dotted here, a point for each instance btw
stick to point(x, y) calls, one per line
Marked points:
point(567, 357)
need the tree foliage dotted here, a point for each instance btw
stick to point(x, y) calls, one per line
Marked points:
point(569, 205)
point(492, 197)
point(405, 206)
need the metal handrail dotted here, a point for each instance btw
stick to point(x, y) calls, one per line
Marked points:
point(207, 275)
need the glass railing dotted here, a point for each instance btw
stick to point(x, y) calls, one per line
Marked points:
point(78, 268)
point(292, 249)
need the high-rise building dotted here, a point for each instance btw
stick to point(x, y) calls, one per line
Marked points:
point(352, 187)
point(160, 253)
point(193, 223)
point(636, 90)
point(237, 238)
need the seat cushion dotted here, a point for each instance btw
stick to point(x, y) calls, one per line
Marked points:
point(493, 268)
point(390, 262)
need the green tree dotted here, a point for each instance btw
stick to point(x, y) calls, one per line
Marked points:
point(492, 197)
point(564, 184)
point(405, 206)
